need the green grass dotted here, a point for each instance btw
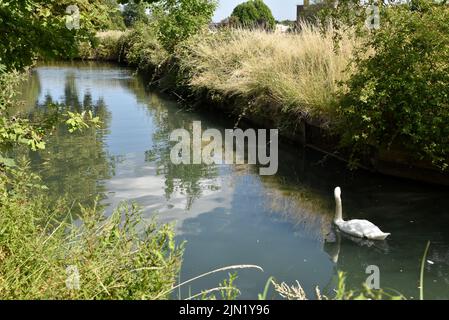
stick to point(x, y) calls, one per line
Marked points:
point(46, 253)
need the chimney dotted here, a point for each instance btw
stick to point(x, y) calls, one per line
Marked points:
point(300, 9)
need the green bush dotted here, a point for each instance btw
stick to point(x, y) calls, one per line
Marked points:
point(254, 13)
point(115, 16)
point(178, 20)
point(37, 28)
point(399, 95)
point(141, 48)
point(108, 46)
point(15, 130)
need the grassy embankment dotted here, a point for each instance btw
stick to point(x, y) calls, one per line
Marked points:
point(279, 78)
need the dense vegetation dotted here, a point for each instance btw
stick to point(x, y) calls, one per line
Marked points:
point(38, 28)
point(44, 254)
point(399, 95)
point(178, 20)
point(134, 13)
point(231, 64)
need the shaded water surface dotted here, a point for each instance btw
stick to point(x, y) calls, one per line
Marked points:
point(230, 214)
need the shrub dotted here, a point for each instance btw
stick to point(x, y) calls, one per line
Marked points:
point(254, 13)
point(36, 28)
point(115, 17)
point(108, 46)
point(399, 96)
point(143, 49)
point(14, 130)
point(19, 130)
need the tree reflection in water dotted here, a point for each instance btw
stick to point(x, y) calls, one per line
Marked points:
point(190, 180)
point(73, 164)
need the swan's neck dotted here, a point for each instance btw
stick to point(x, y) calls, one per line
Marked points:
point(338, 211)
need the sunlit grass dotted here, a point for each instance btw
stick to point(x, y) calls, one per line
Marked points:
point(296, 72)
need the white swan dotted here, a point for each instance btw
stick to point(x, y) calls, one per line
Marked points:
point(356, 228)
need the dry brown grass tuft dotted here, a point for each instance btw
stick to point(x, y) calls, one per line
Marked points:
point(295, 72)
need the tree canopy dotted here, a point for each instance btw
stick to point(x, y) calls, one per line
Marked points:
point(42, 28)
point(180, 19)
point(32, 28)
point(253, 13)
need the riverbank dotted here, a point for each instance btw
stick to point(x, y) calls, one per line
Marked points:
point(252, 74)
point(288, 81)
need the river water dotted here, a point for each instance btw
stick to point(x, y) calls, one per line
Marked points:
point(229, 214)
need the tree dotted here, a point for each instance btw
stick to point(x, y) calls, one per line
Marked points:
point(254, 13)
point(115, 16)
point(32, 28)
point(135, 12)
point(177, 20)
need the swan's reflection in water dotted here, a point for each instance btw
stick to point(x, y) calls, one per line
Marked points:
point(332, 244)
point(399, 206)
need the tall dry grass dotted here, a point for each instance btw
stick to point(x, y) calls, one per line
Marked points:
point(110, 34)
point(294, 72)
point(109, 47)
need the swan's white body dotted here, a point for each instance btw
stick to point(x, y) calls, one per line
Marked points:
point(356, 228)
